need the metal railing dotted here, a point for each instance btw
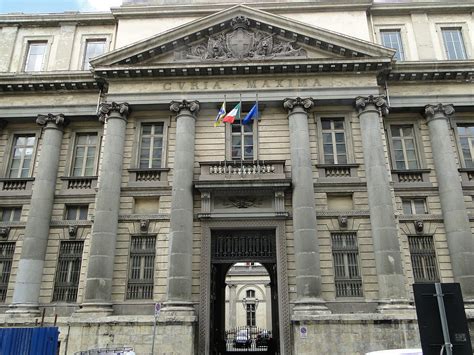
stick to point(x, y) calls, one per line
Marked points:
point(248, 339)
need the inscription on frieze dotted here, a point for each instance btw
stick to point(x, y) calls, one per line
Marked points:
point(240, 43)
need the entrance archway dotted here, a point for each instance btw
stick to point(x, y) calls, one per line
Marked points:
point(242, 246)
point(224, 243)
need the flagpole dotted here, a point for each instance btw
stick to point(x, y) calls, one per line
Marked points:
point(258, 145)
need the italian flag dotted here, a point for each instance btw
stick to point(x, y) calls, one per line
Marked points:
point(232, 115)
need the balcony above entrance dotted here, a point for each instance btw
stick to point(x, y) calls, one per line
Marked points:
point(237, 189)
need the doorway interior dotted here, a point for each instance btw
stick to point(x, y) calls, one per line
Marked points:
point(244, 314)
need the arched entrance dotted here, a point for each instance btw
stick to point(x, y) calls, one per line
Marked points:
point(227, 248)
point(224, 243)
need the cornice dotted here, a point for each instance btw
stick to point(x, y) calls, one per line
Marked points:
point(55, 19)
point(302, 65)
point(49, 81)
point(432, 7)
point(134, 11)
point(461, 70)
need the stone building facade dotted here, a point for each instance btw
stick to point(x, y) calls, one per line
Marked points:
point(117, 191)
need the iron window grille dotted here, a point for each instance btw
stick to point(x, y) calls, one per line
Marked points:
point(453, 43)
point(7, 250)
point(141, 268)
point(334, 140)
point(423, 259)
point(242, 146)
point(414, 206)
point(68, 271)
point(151, 145)
point(393, 39)
point(345, 254)
point(85, 151)
point(21, 156)
point(10, 214)
point(77, 212)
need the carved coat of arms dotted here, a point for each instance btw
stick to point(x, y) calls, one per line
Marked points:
point(240, 43)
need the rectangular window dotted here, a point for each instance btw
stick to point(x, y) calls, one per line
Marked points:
point(423, 259)
point(393, 39)
point(251, 321)
point(414, 206)
point(466, 140)
point(35, 56)
point(404, 147)
point(453, 43)
point(77, 212)
point(85, 152)
point(6, 256)
point(242, 141)
point(10, 214)
point(141, 268)
point(345, 253)
point(94, 48)
point(68, 271)
point(151, 146)
point(22, 156)
point(334, 141)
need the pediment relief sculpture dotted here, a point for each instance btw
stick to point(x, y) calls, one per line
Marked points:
point(240, 43)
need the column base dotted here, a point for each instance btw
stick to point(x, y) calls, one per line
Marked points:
point(309, 307)
point(175, 311)
point(94, 310)
point(395, 307)
point(24, 310)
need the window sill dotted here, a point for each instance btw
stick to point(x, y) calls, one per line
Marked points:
point(79, 182)
point(15, 186)
point(148, 177)
point(467, 176)
point(411, 177)
point(332, 172)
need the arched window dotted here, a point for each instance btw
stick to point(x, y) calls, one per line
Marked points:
point(250, 294)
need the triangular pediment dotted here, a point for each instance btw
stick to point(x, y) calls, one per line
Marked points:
point(242, 35)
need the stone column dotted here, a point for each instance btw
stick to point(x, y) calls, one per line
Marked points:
point(307, 259)
point(268, 305)
point(98, 288)
point(456, 221)
point(33, 252)
point(388, 262)
point(232, 306)
point(181, 219)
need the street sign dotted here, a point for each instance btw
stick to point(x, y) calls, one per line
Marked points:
point(430, 320)
point(303, 332)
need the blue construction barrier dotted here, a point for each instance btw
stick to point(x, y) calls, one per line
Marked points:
point(29, 341)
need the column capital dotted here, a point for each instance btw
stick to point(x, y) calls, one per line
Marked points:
point(362, 103)
point(191, 106)
point(306, 103)
point(58, 119)
point(107, 108)
point(439, 110)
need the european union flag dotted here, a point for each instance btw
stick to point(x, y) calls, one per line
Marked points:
point(252, 113)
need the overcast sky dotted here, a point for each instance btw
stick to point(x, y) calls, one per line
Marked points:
point(46, 6)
